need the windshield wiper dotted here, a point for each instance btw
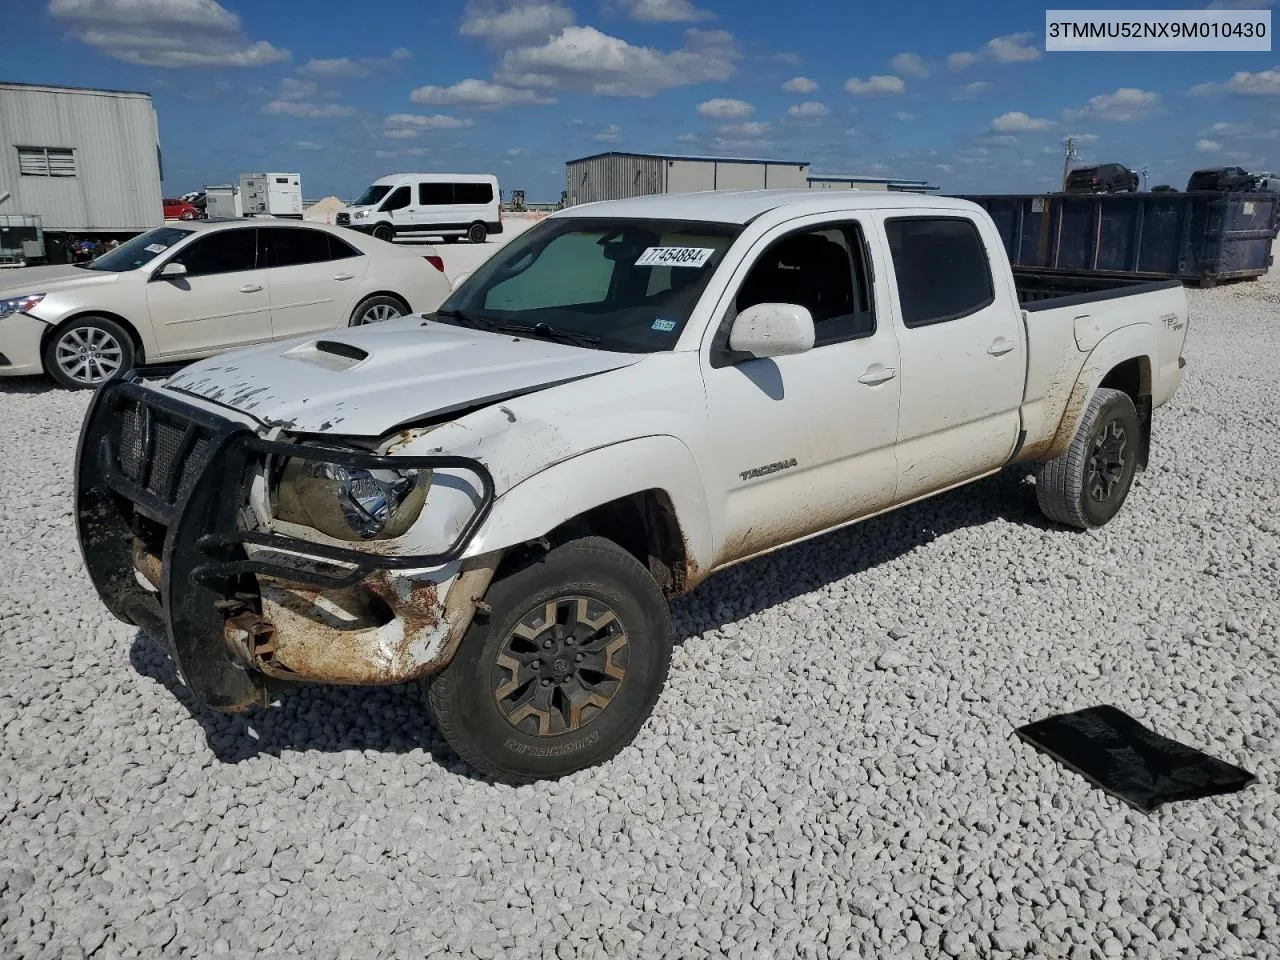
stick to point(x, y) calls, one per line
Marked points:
point(465, 319)
point(549, 332)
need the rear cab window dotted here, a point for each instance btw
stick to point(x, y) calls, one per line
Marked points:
point(941, 267)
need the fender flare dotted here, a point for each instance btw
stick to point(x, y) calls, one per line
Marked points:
point(569, 488)
point(1132, 342)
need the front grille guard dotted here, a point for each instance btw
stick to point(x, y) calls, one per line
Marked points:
point(204, 566)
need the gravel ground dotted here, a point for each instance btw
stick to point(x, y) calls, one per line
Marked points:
point(831, 771)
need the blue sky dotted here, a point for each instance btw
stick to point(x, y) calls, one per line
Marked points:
point(962, 95)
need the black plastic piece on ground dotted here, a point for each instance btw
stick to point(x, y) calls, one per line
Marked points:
point(1115, 752)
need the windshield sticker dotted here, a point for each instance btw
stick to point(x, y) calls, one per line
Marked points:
point(155, 248)
point(663, 325)
point(675, 256)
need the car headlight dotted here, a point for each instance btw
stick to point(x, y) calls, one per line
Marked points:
point(20, 304)
point(359, 214)
point(351, 503)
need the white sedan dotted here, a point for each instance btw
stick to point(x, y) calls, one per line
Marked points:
point(186, 291)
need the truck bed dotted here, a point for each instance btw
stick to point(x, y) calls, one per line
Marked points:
point(1046, 291)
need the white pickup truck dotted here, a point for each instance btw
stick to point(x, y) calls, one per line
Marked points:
point(500, 497)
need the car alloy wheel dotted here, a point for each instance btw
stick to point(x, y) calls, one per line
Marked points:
point(88, 355)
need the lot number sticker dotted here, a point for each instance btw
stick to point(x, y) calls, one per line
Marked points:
point(675, 257)
point(155, 248)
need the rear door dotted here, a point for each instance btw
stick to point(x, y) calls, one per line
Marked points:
point(805, 442)
point(315, 278)
point(223, 300)
point(962, 346)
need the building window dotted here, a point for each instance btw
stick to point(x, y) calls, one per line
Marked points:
point(46, 162)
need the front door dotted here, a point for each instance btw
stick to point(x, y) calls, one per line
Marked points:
point(222, 301)
point(963, 352)
point(314, 279)
point(806, 442)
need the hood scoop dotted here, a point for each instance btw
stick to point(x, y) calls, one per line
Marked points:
point(330, 354)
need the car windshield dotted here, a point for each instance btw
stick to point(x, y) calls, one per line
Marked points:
point(624, 285)
point(372, 195)
point(140, 250)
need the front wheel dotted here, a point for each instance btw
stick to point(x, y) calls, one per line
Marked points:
point(88, 352)
point(383, 231)
point(1087, 485)
point(562, 671)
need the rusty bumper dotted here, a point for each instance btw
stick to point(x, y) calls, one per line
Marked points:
point(160, 492)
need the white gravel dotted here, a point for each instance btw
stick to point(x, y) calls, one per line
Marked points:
point(831, 771)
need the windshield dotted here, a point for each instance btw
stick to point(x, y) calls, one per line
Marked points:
point(140, 250)
point(372, 195)
point(630, 284)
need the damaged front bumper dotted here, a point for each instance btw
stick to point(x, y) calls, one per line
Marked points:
point(162, 493)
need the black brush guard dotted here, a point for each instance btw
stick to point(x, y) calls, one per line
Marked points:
point(144, 453)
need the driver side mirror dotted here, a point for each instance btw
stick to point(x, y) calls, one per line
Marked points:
point(172, 270)
point(772, 330)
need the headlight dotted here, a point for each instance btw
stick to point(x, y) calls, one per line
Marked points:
point(20, 304)
point(351, 503)
point(359, 214)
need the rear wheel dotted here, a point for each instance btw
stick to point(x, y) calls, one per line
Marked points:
point(1087, 485)
point(377, 309)
point(477, 233)
point(563, 670)
point(88, 352)
point(383, 231)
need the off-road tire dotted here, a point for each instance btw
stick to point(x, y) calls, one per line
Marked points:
point(114, 343)
point(1063, 486)
point(463, 699)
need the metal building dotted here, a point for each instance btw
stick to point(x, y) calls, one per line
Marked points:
point(835, 181)
point(616, 176)
point(82, 160)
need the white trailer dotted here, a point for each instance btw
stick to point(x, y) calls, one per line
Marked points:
point(223, 201)
point(272, 194)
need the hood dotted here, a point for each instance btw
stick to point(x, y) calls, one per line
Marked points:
point(368, 380)
point(50, 279)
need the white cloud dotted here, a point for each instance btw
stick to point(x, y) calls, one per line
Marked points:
point(1231, 129)
point(347, 67)
point(809, 110)
point(688, 138)
point(1084, 137)
point(910, 65)
point(1015, 121)
point(800, 85)
point(723, 108)
point(610, 134)
point(946, 167)
point(1264, 83)
point(308, 145)
point(478, 93)
point(876, 85)
point(740, 146)
point(506, 24)
point(385, 154)
point(753, 129)
point(1127, 103)
point(1208, 146)
point(1011, 48)
point(902, 116)
point(1001, 140)
point(970, 91)
point(664, 11)
point(517, 151)
point(165, 33)
point(296, 108)
point(291, 88)
point(437, 121)
point(584, 59)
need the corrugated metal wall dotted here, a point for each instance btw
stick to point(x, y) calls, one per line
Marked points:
point(614, 178)
point(115, 137)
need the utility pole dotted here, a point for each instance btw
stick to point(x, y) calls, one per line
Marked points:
point(1066, 161)
point(1145, 169)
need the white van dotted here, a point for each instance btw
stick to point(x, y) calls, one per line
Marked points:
point(421, 205)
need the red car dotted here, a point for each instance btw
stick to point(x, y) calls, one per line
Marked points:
point(180, 210)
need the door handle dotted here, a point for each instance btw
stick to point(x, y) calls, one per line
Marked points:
point(878, 374)
point(344, 276)
point(1000, 346)
point(251, 288)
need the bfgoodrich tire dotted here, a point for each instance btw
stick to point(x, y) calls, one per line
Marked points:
point(563, 671)
point(1087, 485)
